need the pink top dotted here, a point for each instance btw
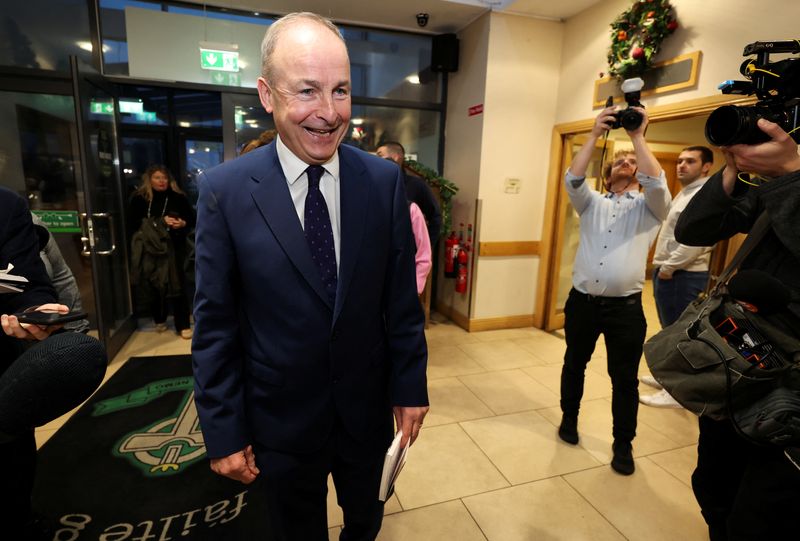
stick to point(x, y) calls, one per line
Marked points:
point(423, 259)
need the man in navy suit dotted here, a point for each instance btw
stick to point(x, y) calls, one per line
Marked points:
point(309, 334)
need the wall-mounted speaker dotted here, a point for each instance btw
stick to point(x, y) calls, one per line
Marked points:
point(444, 53)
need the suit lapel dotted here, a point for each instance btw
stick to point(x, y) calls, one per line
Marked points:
point(354, 195)
point(271, 196)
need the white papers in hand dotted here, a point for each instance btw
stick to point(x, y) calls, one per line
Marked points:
point(392, 464)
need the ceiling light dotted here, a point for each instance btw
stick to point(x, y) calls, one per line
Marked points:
point(357, 121)
point(413, 79)
point(185, 124)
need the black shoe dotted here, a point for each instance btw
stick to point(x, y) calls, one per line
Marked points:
point(623, 458)
point(568, 431)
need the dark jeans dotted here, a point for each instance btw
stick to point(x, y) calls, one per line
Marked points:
point(296, 486)
point(180, 310)
point(621, 321)
point(745, 491)
point(673, 296)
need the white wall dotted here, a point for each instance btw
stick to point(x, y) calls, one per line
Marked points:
point(521, 95)
point(463, 136)
point(718, 28)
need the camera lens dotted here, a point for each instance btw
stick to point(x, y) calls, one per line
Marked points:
point(732, 125)
point(630, 119)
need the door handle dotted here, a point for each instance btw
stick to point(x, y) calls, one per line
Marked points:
point(86, 237)
point(113, 235)
point(87, 234)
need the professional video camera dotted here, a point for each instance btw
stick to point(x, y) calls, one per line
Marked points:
point(629, 119)
point(777, 86)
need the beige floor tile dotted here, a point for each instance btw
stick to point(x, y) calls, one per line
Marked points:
point(451, 401)
point(500, 355)
point(525, 447)
point(545, 510)
point(448, 361)
point(335, 515)
point(544, 346)
point(679, 425)
point(509, 334)
point(444, 521)
point(650, 505)
point(594, 426)
point(679, 462)
point(510, 391)
point(445, 464)
point(42, 435)
point(595, 385)
point(178, 347)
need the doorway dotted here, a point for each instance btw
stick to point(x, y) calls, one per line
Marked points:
point(59, 150)
point(671, 128)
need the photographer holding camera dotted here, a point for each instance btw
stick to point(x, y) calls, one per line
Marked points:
point(616, 231)
point(746, 490)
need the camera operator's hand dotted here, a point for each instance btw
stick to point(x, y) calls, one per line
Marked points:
point(604, 121)
point(775, 158)
point(26, 331)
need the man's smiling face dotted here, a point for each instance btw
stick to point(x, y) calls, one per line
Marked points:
point(309, 96)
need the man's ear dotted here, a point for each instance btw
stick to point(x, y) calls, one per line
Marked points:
point(705, 169)
point(265, 94)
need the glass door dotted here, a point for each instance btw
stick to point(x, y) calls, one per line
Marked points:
point(103, 234)
point(568, 231)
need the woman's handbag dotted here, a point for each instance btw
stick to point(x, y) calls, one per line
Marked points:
point(724, 361)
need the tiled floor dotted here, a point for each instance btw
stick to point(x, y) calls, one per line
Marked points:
point(488, 464)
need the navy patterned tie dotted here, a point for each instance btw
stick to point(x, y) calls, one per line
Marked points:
point(319, 235)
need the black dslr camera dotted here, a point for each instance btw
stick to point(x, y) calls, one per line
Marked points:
point(628, 118)
point(777, 86)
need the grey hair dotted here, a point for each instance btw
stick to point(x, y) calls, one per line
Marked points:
point(275, 31)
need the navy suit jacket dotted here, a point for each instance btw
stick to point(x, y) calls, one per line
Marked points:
point(275, 362)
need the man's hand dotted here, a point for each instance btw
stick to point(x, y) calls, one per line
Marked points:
point(240, 466)
point(174, 223)
point(604, 121)
point(664, 276)
point(775, 158)
point(27, 331)
point(409, 420)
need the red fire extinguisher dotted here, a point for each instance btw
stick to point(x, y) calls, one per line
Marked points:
point(450, 253)
point(461, 279)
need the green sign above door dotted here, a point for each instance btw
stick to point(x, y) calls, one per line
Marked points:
point(219, 60)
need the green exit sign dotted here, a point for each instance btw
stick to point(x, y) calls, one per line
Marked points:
point(101, 107)
point(211, 59)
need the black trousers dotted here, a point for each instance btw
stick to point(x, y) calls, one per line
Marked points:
point(296, 486)
point(50, 378)
point(180, 309)
point(745, 491)
point(622, 323)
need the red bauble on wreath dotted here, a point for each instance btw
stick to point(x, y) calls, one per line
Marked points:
point(636, 37)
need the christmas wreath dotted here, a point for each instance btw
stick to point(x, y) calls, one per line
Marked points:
point(636, 37)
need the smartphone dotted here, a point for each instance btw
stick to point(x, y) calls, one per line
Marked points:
point(173, 214)
point(49, 317)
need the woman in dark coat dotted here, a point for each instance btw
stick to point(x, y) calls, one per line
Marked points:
point(161, 198)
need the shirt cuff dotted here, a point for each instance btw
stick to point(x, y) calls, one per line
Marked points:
point(646, 180)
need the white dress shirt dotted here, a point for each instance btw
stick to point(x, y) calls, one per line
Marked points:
point(616, 234)
point(670, 254)
point(294, 169)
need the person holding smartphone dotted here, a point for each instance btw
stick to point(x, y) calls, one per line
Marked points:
point(160, 207)
point(42, 375)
